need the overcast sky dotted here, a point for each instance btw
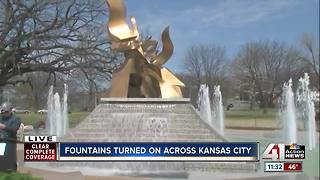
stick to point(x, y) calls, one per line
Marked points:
point(229, 23)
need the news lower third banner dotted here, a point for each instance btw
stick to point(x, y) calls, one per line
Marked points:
point(248, 151)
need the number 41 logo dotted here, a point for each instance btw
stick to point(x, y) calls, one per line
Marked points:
point(274, 152)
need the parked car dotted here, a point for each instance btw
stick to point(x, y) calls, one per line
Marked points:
point(20, 110)
point(42, 111)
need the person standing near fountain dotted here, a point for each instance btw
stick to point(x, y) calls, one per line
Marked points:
point(9, 125)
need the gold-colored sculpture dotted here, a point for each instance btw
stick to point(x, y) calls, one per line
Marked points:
point(141, 75)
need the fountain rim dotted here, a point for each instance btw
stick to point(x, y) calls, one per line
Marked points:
point(145, 100)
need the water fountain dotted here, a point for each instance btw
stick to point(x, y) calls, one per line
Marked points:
point(204, 105)
point(306, 108)
point(217, 109)
point(50, 125)
point(214, 116)
point(288, 114)
point(57, 116)
point(65, 109)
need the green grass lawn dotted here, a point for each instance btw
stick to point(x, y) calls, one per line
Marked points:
point(271, 114)
point(257, 117)
point(16, 176)
point(35, 118)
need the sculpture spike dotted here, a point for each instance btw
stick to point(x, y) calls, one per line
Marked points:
point(117, 26)
point(167, 48)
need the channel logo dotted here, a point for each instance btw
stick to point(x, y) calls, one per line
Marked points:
point(294, 146)
point(295, 151)
point(280, 152)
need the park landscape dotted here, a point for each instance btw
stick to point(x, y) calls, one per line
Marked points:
point(241, 125)
point(267, 91)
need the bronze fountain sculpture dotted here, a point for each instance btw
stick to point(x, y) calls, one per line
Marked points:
point(141, 74)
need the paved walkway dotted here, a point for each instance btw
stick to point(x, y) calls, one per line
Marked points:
point(76, 175)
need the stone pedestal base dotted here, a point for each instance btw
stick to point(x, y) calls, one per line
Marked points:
point(147, 120)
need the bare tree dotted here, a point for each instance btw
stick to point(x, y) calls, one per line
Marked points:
point(33, 93)
point(204, 64)
point(310, 56)
point(53, 36)
point(262, 67)
point(89, 84)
